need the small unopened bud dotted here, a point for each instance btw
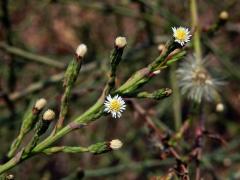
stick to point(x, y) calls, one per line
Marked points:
point(227, 162)
point(81, 50)
point(121, 42)
point(116, 144)
point(224, 15)
point(49, 115)
point(219, 107)
point(168, 91)
point(161, 47)
point(9, 177)
point(40, 104)
point(157, 72)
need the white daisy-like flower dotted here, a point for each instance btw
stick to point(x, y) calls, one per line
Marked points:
point(181, 34)
point(115, 106)
point(196, 82)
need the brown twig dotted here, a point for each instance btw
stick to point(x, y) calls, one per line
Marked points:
point(181, 168)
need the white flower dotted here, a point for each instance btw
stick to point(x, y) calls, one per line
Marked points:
point(115, 106)
point(196, 82)
point(181, 34)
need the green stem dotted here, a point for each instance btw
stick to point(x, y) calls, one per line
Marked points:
point(10, 164)
point(15, 145)
point(176, 98)
point(197, 35)
point(29, 120)
point(157, 95)
point(65, 149)
point(91, 114)
point(115, 59)
point(69, 80)
point(98, 148)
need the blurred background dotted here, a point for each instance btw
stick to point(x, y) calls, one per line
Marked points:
point(39, 37)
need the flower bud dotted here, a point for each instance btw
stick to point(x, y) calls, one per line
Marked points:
point(121, 42)
point(227, 162)
point(49, 115)
point(116, 144)
point(81, 50)
point(40, 104)
point(161, 47)
point(9, 177)
point(224, 15)
point(156, 72)
point(219, 107)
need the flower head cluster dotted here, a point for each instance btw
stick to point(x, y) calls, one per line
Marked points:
point(181, 34)
point(196, 82)
point(115, 106)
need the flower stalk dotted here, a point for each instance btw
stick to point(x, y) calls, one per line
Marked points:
point(222, 19)
point(98, 148)
point(197, 34)
point(157, 95)
point(70, 78)
point(29, 120)
point(115, 59)
point(40, 128)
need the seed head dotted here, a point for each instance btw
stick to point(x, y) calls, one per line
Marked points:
point(196, 82)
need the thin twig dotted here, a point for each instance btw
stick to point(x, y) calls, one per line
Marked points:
point(31, 56)
point(37, 86)
point(109, 171)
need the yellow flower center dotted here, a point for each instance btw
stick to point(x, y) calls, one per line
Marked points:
point(181, 34)
point(115, 105)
